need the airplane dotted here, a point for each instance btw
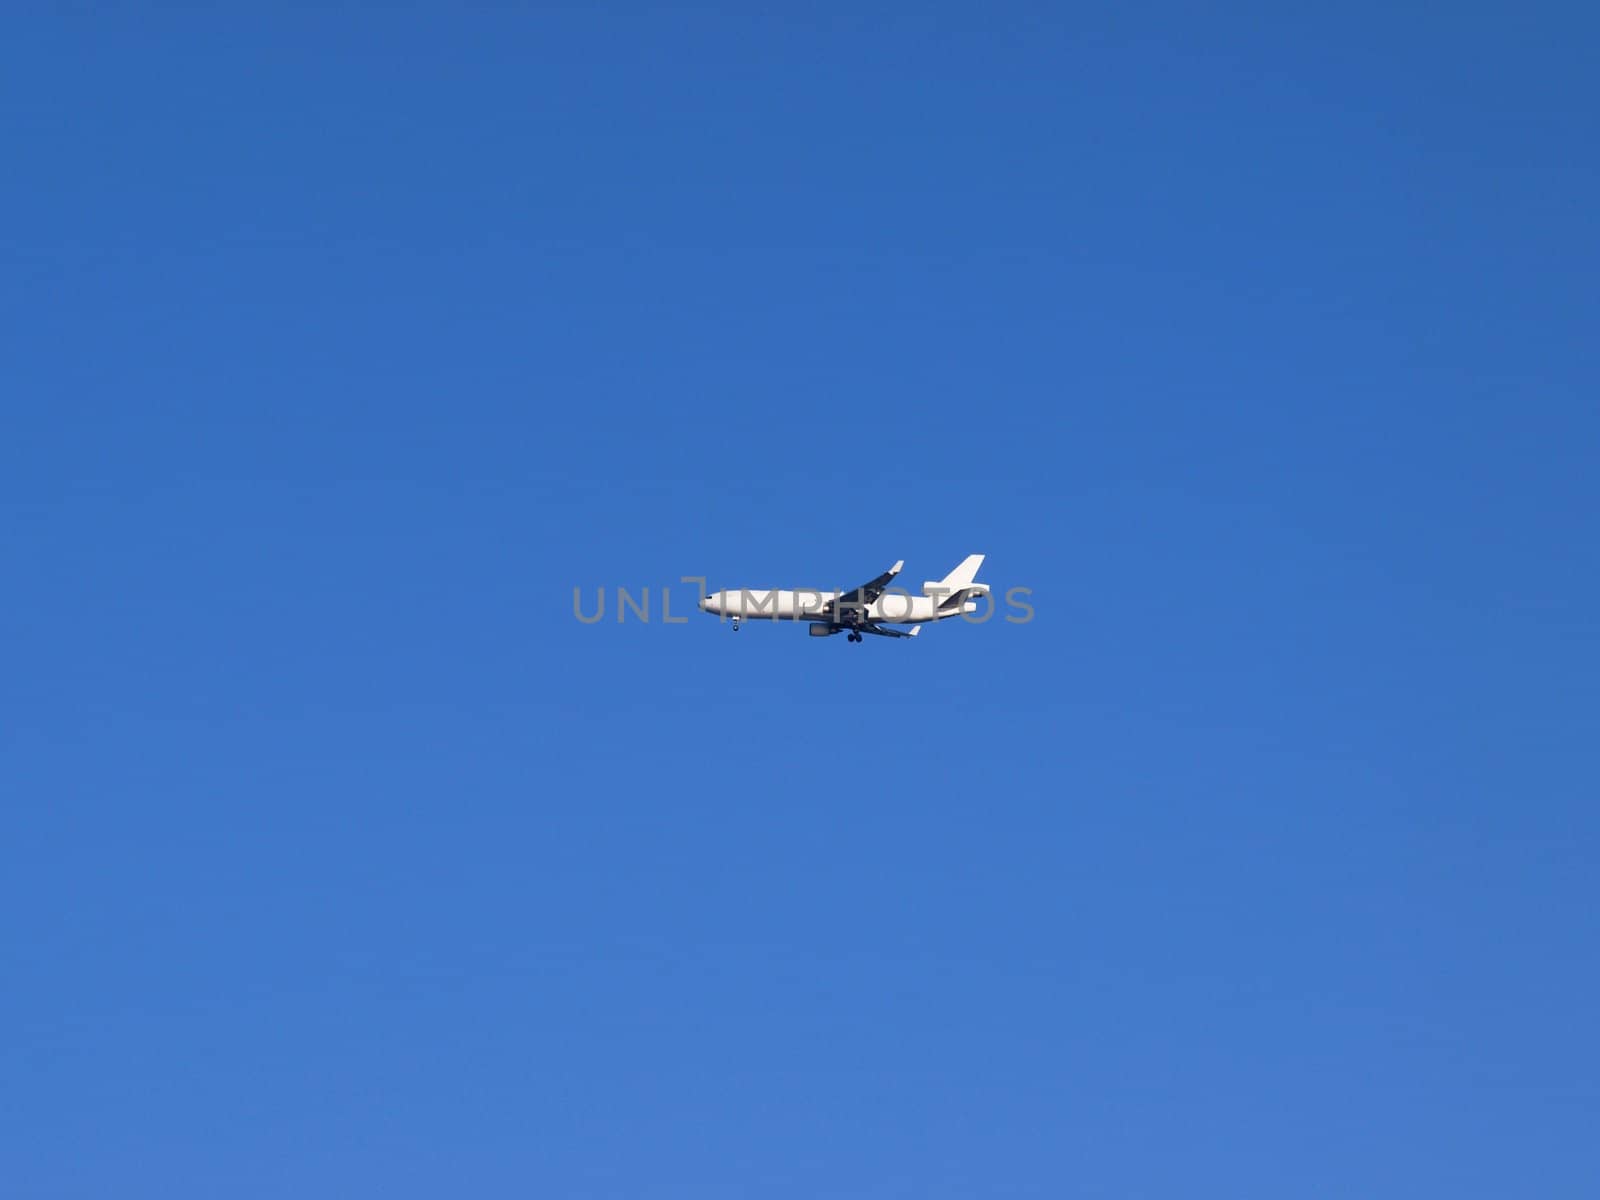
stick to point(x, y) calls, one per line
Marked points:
point(868, 609)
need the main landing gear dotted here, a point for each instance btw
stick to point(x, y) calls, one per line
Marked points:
point(852, 636)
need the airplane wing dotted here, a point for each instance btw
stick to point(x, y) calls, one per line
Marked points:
point(868, 592)
point(883, 632)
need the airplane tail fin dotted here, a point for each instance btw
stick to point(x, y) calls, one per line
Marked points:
point(958, 580)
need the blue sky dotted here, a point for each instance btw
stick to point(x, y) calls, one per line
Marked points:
point(340, 345)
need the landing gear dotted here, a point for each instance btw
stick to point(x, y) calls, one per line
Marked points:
point(852, 636)
point(736, 624)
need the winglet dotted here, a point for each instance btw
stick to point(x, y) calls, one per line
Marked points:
point(898, 567)
point(915, 629)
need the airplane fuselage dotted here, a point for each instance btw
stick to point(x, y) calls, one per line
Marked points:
point(803, 604)
point(869, 609)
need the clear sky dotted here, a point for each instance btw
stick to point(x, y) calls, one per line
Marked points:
point(337, 346)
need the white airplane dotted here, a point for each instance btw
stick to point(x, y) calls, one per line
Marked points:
point(866, 609)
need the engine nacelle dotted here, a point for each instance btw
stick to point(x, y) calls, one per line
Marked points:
point(820, 630)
